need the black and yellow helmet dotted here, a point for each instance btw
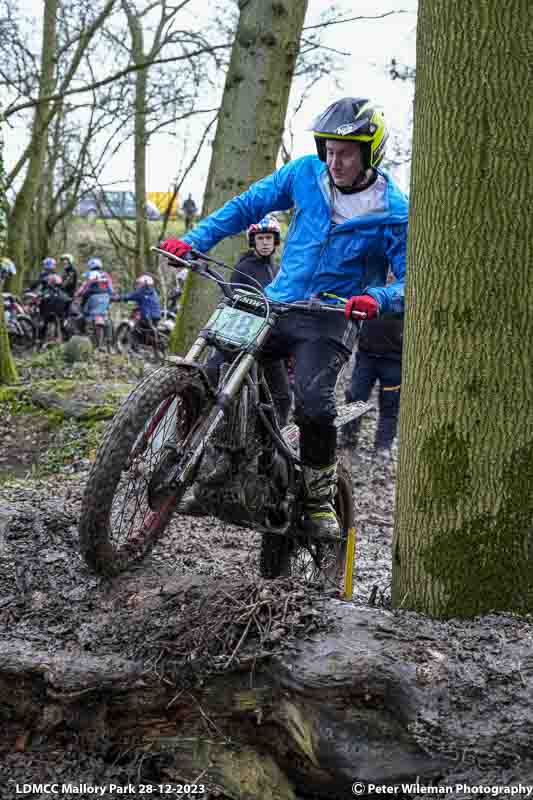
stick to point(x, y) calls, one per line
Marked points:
point(358, 120)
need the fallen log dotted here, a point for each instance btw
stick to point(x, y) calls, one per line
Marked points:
point(334, 709)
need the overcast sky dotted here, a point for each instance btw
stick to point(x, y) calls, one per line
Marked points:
point(370, 44)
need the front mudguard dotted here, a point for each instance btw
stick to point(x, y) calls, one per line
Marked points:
point(195, 368)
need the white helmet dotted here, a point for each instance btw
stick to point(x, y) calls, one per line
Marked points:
point(144, 280)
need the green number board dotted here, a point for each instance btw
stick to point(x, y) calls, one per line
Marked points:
point(235, 326)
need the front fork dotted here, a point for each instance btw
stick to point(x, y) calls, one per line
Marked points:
point(185, 471)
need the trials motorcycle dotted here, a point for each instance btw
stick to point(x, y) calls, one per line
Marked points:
point(176, 429)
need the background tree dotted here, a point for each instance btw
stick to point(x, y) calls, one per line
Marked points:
point(249, 129)
point(8, 371)
point(58, 68)
point(462, 542)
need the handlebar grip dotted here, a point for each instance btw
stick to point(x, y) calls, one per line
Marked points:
point(175, 261)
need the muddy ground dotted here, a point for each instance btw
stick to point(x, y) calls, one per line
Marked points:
point(52, 602)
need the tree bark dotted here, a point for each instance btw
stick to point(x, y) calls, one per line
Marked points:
point(249, 130)
point(463, 530)
point(20, 215)
point(142, 237)
point(255, 731)
point(8, 370)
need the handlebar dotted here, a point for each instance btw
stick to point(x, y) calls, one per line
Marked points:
point(199, 263)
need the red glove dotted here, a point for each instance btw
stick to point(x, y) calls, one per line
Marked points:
point(176, 246)
point(362, 303)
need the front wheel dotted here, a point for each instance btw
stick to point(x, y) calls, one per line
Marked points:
point(117, 525)
point(123, 338)
point(307, 558)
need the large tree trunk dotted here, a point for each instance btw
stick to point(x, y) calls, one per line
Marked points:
point(8, 371)
point(249, 130)
point(20, 215)
point(142, 237)
point(465, 506)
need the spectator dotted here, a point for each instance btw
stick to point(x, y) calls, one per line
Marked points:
point(190, 211)
point(70, 276)
point(379, 358)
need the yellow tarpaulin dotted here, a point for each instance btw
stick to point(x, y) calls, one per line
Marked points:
point(162, 199)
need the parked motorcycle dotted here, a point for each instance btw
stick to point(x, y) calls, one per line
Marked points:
point(20, 328)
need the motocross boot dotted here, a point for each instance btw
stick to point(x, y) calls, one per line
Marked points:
point(320, 485)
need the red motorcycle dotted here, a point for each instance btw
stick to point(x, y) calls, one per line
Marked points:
point(135, 334)
point(20, 327)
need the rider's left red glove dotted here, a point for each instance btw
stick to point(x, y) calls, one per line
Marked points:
point(362, 303)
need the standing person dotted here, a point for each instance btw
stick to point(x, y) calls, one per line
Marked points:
point(190, 210)
point(349, 227)
point(255, 267)
point(70, 276)
point(379, 358)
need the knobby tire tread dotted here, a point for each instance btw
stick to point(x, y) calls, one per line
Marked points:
point(118, 440)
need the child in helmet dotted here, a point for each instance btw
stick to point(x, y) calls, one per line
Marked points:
point(7, 269)
point(256, 269)
point(94, 264)
point(95, 295)
point(48, 267)
point(54, 305)
point(147, 300)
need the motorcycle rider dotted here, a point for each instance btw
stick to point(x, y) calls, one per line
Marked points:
point(148, 303)
point(94, 264)
point(48, 267)
point(7, 268)
point(349, 227)
point(54, 306)
point(95, 297)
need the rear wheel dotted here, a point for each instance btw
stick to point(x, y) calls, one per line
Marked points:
point(117, 525)
point(307, 558)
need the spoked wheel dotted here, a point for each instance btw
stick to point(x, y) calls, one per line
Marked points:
point(123, 338)
point(117, 525)
point(309, 559)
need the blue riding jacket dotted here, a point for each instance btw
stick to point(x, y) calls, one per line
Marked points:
point(147, 300)
point(320, 256)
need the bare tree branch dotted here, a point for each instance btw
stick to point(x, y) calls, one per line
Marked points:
point(327, 23)
point(116, 76)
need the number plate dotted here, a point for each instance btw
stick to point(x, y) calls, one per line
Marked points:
point(235, 326)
